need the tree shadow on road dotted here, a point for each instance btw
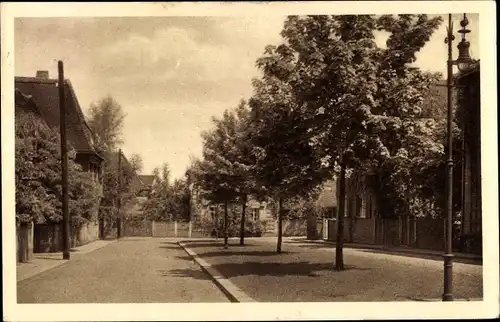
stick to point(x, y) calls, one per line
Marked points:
point(303, 268)
point(238, 253)
point(185, 273)
point(231, 270)
point(305, 244)
point(170, 246)
point(434, 257)
point(380, 250)
point(219, 244)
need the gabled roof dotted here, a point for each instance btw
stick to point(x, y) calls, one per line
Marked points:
point(112, 158)
point(147, 180)
point(24, 105)
point(44, 93)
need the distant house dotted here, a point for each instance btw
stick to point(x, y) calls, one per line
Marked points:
point(41, 94)
point(147, 182)
point(327, 199)
point(129, 179)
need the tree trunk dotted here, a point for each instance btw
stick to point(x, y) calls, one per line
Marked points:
point(242, 227)
point(280, 224)
point(339, 256)
point(225, 225)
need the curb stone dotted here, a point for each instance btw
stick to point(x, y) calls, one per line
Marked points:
point(234, 293)
point(454, 300)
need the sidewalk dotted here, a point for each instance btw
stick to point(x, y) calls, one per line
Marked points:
point(476, 259)
point(45, 261)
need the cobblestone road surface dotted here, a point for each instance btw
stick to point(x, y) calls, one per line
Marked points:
point(132, 270)
point(304, 272)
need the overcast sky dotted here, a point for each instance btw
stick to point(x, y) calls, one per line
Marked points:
point(170, 74)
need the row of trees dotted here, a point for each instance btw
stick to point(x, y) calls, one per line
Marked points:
point(331, 102)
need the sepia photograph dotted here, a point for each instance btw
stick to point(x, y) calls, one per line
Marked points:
point(189, 153)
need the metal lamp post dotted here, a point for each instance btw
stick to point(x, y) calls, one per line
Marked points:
point(463, 62)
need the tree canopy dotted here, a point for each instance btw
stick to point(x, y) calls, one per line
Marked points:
point(38, 177)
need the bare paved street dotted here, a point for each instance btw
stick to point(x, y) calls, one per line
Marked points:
point(304, 272)
point(132, 270)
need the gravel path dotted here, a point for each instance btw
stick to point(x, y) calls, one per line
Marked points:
point(132, 270)
point(304, 272)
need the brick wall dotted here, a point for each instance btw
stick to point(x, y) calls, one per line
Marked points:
point(88, 233)
point(48, 238)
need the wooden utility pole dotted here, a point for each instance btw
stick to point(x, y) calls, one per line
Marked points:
point(119, 215)
point(64, 162)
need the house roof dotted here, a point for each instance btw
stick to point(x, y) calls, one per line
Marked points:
point(147, 180)
point(44, 93)
point(24, 105)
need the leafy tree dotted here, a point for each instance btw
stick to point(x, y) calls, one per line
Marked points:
point(118, 187)
point(36, 165)
point(361, 105)
point(38, 177)
point(287, 165)
point(226, 171)
point(179, 200)
point(158, 206)
point(106, 121)
point(136, 162)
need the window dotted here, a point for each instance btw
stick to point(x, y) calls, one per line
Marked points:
point(360, 213)
point(255, 214)
point(369, 207)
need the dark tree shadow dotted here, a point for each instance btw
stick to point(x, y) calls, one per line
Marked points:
point(185, 273)
point(435, 257)
point(132, 239)
point(170, 247)
point(380, 249)
point(230, 270)
point(236, 253)
point(220, 244)
point(308, 244)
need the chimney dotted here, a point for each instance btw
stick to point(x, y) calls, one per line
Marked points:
point(42, 74)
